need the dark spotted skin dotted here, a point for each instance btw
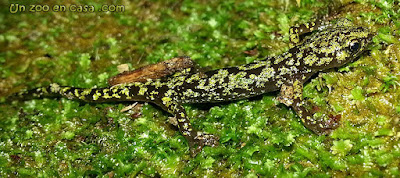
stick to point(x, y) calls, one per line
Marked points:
point(329, 45)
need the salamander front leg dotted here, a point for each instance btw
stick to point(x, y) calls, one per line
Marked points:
point(291, 95)
point(197, 140)
point(322, 124)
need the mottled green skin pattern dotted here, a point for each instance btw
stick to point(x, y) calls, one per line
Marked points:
point(327, 47)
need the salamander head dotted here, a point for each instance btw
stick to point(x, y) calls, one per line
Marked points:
point(334, 47)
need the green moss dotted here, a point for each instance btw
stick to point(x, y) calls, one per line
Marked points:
point(358, 94)
point(341, 147)
point(68, 135)
point(258, 137)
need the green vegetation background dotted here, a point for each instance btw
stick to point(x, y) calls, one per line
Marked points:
point(258, 137)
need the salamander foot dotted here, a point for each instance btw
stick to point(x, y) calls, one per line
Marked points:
point(202, 140)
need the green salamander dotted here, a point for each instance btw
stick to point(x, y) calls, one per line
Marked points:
point(315, 47)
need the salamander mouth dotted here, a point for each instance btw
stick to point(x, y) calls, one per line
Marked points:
point(360, 53)
point(366, 42)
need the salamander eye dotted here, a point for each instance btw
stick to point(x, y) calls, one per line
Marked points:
point(354, 46)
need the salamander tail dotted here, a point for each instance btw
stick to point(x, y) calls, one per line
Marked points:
point(95, 95)
point(52, 91)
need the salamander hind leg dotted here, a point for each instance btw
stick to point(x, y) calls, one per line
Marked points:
point(322, 124)
point(298, 32)
point(197, 140)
